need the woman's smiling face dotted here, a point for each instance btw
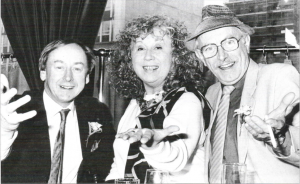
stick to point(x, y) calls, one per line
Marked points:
point(152, 59)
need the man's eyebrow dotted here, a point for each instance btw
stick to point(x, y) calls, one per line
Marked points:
point(58, 61)
point(79, 63)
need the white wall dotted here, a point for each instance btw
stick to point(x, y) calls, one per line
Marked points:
point(188, 11)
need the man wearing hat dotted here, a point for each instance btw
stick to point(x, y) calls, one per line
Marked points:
point(252, 120)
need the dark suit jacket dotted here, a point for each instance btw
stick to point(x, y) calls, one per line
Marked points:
point(30, 158)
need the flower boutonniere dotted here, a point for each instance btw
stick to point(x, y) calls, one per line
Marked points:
point(94, 127)
point(242, 112)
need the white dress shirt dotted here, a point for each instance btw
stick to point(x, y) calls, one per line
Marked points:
point(72, 150)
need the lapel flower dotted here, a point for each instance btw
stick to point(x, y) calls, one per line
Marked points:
point(94, 127)
point(243, 111)
point(95, 145)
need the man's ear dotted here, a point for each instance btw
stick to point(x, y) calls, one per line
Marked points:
point(87, 79)
point(200, 56)
point(247, 43)
point(43, 75)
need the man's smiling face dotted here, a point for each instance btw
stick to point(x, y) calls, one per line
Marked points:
point(228, 66)
point(66, 73)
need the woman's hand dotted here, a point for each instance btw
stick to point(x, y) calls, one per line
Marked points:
point(148, 137)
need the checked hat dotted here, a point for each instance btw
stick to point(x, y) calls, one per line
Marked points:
point(216, 16)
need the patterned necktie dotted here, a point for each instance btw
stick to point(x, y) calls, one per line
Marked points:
point(219, 137)
point(58, 152)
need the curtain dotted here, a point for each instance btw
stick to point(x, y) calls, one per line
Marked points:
point(106, 94)
point(32, 24)
point(14, 74)
point(117, 104)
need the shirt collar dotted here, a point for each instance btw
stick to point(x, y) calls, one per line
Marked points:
point(52, 108)
point(239, 85)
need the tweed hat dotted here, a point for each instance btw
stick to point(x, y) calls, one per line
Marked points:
point(216, 16)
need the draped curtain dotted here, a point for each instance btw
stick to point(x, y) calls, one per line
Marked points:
point(32, 24)
point(115, 102)
point(106, 94)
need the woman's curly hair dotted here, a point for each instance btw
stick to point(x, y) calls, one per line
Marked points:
point(186, 70)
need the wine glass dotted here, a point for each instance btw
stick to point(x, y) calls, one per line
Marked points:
point(156, 176)
point(127, 181)
point(234, 173)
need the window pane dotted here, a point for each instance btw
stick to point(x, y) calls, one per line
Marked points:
point(105, 38)
point(105, 28)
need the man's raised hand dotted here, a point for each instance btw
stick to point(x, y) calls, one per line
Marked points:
point(10, 119)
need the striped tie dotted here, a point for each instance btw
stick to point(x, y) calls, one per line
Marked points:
point(219, 137)
point(58, 153)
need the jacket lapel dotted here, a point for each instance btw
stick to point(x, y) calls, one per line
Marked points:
point(215, 92)
point(38, 126)
point(83, 126)
point(247, 100)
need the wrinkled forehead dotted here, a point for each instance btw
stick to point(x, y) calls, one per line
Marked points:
point(217, 35)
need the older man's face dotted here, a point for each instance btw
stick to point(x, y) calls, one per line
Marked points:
point(228, 66)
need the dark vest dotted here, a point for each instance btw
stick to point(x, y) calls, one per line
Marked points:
point(153, 118)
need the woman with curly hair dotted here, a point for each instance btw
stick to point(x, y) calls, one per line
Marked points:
point(163, 125)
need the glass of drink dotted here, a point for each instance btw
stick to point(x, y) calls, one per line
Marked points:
point(127, 181)
point(234, 173)
point(156, 176)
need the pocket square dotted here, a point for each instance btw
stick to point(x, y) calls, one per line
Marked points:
point(95, 145)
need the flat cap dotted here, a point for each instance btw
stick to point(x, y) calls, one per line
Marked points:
point(216, 16)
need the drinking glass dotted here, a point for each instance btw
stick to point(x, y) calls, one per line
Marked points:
point(156, 176)
point(127, 181)
point(234, 173)
point(250, 177)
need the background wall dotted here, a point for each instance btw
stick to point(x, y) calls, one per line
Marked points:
point(188, 12)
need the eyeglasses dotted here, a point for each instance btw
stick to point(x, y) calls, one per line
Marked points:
point(229, 44)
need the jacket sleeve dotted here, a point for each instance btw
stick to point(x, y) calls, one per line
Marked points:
point(288, 81)
point(174, 155)
point(121, 146)
point(7, 140)
point(8, 137)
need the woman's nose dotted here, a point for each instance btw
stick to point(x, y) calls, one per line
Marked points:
point(149, 55)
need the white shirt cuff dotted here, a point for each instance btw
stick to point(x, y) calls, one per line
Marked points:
point(7, 139)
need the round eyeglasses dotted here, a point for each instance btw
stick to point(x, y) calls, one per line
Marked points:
point(229, 44)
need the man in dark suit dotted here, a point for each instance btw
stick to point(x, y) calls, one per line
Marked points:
point(38, 142)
